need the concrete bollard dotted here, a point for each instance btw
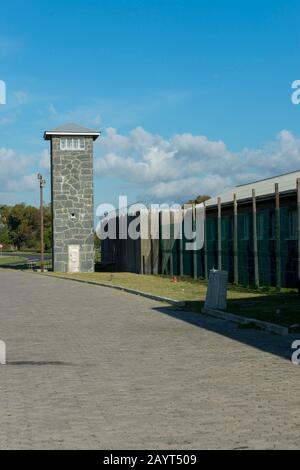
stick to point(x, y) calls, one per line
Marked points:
point(2, 353)
point(216, 296)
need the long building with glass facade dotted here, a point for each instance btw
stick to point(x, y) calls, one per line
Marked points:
point(251, 231)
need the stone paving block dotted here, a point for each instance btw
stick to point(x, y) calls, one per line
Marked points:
point(95, 368)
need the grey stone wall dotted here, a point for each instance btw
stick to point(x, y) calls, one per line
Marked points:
point(72, 204)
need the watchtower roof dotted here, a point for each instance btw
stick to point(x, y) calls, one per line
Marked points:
point(71, 129)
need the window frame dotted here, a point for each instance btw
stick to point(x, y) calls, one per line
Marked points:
point(64, 141)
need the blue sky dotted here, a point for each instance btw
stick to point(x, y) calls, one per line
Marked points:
point(191, 96)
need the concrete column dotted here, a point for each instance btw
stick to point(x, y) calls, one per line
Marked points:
point(277, 236)
point(235, 241)
point(255, 249)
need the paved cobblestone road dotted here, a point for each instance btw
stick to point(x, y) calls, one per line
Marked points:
point(90, 367)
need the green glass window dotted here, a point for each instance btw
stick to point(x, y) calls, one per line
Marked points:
point(292, 224)
point(260, 225)
point(224, 225)
point(211, 230)
point(245, 226)
point(272, 225)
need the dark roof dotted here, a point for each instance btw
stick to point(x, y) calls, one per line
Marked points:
point(71, 129)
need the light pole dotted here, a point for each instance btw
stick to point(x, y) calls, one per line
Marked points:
point(42, 185)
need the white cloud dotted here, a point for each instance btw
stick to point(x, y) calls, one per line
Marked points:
point(187, 165)
point(160, 169)
point(22, 184)
point(281, 155)
point(12, 164)
point(183, 189)
point(15, 171)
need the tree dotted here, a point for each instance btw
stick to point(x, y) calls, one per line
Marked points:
point(21, 226)
point(198, 199)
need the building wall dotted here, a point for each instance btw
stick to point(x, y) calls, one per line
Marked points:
point(201, 262)
point(266, 241)
point(72, 193)
point(172, 258)
point(139, 256)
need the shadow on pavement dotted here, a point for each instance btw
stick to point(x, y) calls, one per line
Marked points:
point(266, 342)
point(38, 363)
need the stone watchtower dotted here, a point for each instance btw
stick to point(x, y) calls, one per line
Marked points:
point(72, 197)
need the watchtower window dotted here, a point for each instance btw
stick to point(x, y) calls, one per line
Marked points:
point(71, 143)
